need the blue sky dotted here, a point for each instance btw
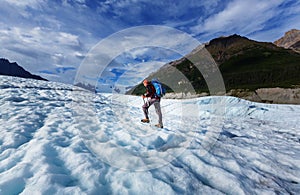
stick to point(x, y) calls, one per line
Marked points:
point(52, 37)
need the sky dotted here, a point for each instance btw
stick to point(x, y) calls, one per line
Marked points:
point(51, 38)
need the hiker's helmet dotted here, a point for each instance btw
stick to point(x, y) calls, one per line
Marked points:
point(145, 82)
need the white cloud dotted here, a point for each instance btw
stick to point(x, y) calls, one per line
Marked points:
point(39, 49)
point(60, 33)
point(240, 16)
point(77, 3)
point(38, 38)
point(137, 72)
point(67, 39)
point(80, 1)
point(25, 3)
point(171, 13)
point(45, 36)
point(138, 52)
point(287, 19)
point(79, 55)
point(126, 41)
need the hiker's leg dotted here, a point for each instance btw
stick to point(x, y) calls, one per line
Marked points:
point(158, 112)
point(145, 109)
point(147, 105)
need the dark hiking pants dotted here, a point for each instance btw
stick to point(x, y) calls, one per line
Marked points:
point(156, 103)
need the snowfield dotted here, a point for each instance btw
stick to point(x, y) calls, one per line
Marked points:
point(59, 139)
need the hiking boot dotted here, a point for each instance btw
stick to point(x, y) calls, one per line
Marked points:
point(159, 126)
point(145, 120)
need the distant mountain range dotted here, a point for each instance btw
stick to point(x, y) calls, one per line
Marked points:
point(291, 40)
point(245, 64)
point(248, 64)
point(13, 69)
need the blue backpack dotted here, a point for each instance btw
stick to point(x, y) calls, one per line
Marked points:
point(160, 90)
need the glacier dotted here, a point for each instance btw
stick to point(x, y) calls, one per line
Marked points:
point(59, 139)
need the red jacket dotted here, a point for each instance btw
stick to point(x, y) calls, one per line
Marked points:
point(150, 91)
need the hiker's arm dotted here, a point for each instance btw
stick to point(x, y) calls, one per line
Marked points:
point(149, 92)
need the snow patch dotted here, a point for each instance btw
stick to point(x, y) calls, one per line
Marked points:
point(59, 139)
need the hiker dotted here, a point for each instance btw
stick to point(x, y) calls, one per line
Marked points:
point(152, 98)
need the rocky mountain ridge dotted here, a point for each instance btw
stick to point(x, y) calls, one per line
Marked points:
point(13, 69)
point(290, 40)
point(246, 66)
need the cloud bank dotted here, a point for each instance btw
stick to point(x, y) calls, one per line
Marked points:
point(52, 37)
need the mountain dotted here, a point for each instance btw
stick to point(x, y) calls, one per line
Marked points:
point(248, 64)
point(56, 140)
point(86, 86)
point(13, 69)
point(291, 40)
point(244, 64)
